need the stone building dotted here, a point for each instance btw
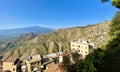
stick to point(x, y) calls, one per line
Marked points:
point(12, 64)
point(34, 63)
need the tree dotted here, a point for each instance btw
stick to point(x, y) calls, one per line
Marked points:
point(76, 56)
point(114, 39)
point(66, 64)
point(104, 1)
point(115, 25)
point(112, 54)
point(115, 3)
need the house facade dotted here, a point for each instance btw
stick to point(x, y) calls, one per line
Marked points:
point(34, 63)
point(12, 64)
point(81, 46)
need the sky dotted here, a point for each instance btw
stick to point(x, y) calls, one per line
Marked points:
point(53, 13)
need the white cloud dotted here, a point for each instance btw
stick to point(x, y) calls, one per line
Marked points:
point(45, 25)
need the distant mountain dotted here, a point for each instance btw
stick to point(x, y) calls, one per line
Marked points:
point(11, 33)
point(54, 41)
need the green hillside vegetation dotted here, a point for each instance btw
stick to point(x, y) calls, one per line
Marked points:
point(107, 60)
point(14, 43)
point(115, 3)
point(112, 63)
point(60, 39)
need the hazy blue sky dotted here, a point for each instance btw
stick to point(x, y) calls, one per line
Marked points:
point(53, 13)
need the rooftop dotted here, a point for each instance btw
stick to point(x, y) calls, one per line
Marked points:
point(11, 59)
point(34, 58)
point(53, 68)
point(53, 55)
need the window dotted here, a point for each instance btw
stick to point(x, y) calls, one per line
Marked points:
point(73, 45)
point(77, 45)
point(86, 47)
point(1, 67)
point(13, 69)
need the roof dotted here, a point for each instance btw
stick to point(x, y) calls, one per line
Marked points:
point(34, 58)
point(11, 59)
point(53, 68)
point(51, 55)
point(45, 60)
point(60, 53)
point(81, 41)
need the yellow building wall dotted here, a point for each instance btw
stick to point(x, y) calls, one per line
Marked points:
point(60, 59)
point(28, 66)
point(82, 48)
point(9, 66)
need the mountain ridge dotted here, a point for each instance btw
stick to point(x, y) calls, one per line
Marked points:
point(17, 32)
point(53, 41)
point(23, 29)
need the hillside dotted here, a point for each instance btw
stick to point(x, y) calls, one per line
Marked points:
point(12, 33)
point(16, 42)
point(52, 42)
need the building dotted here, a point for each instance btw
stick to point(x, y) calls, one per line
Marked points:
point(23, 67)
point(1, 63)
point(82, 46)
point(33, 63)
point(12, 64)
